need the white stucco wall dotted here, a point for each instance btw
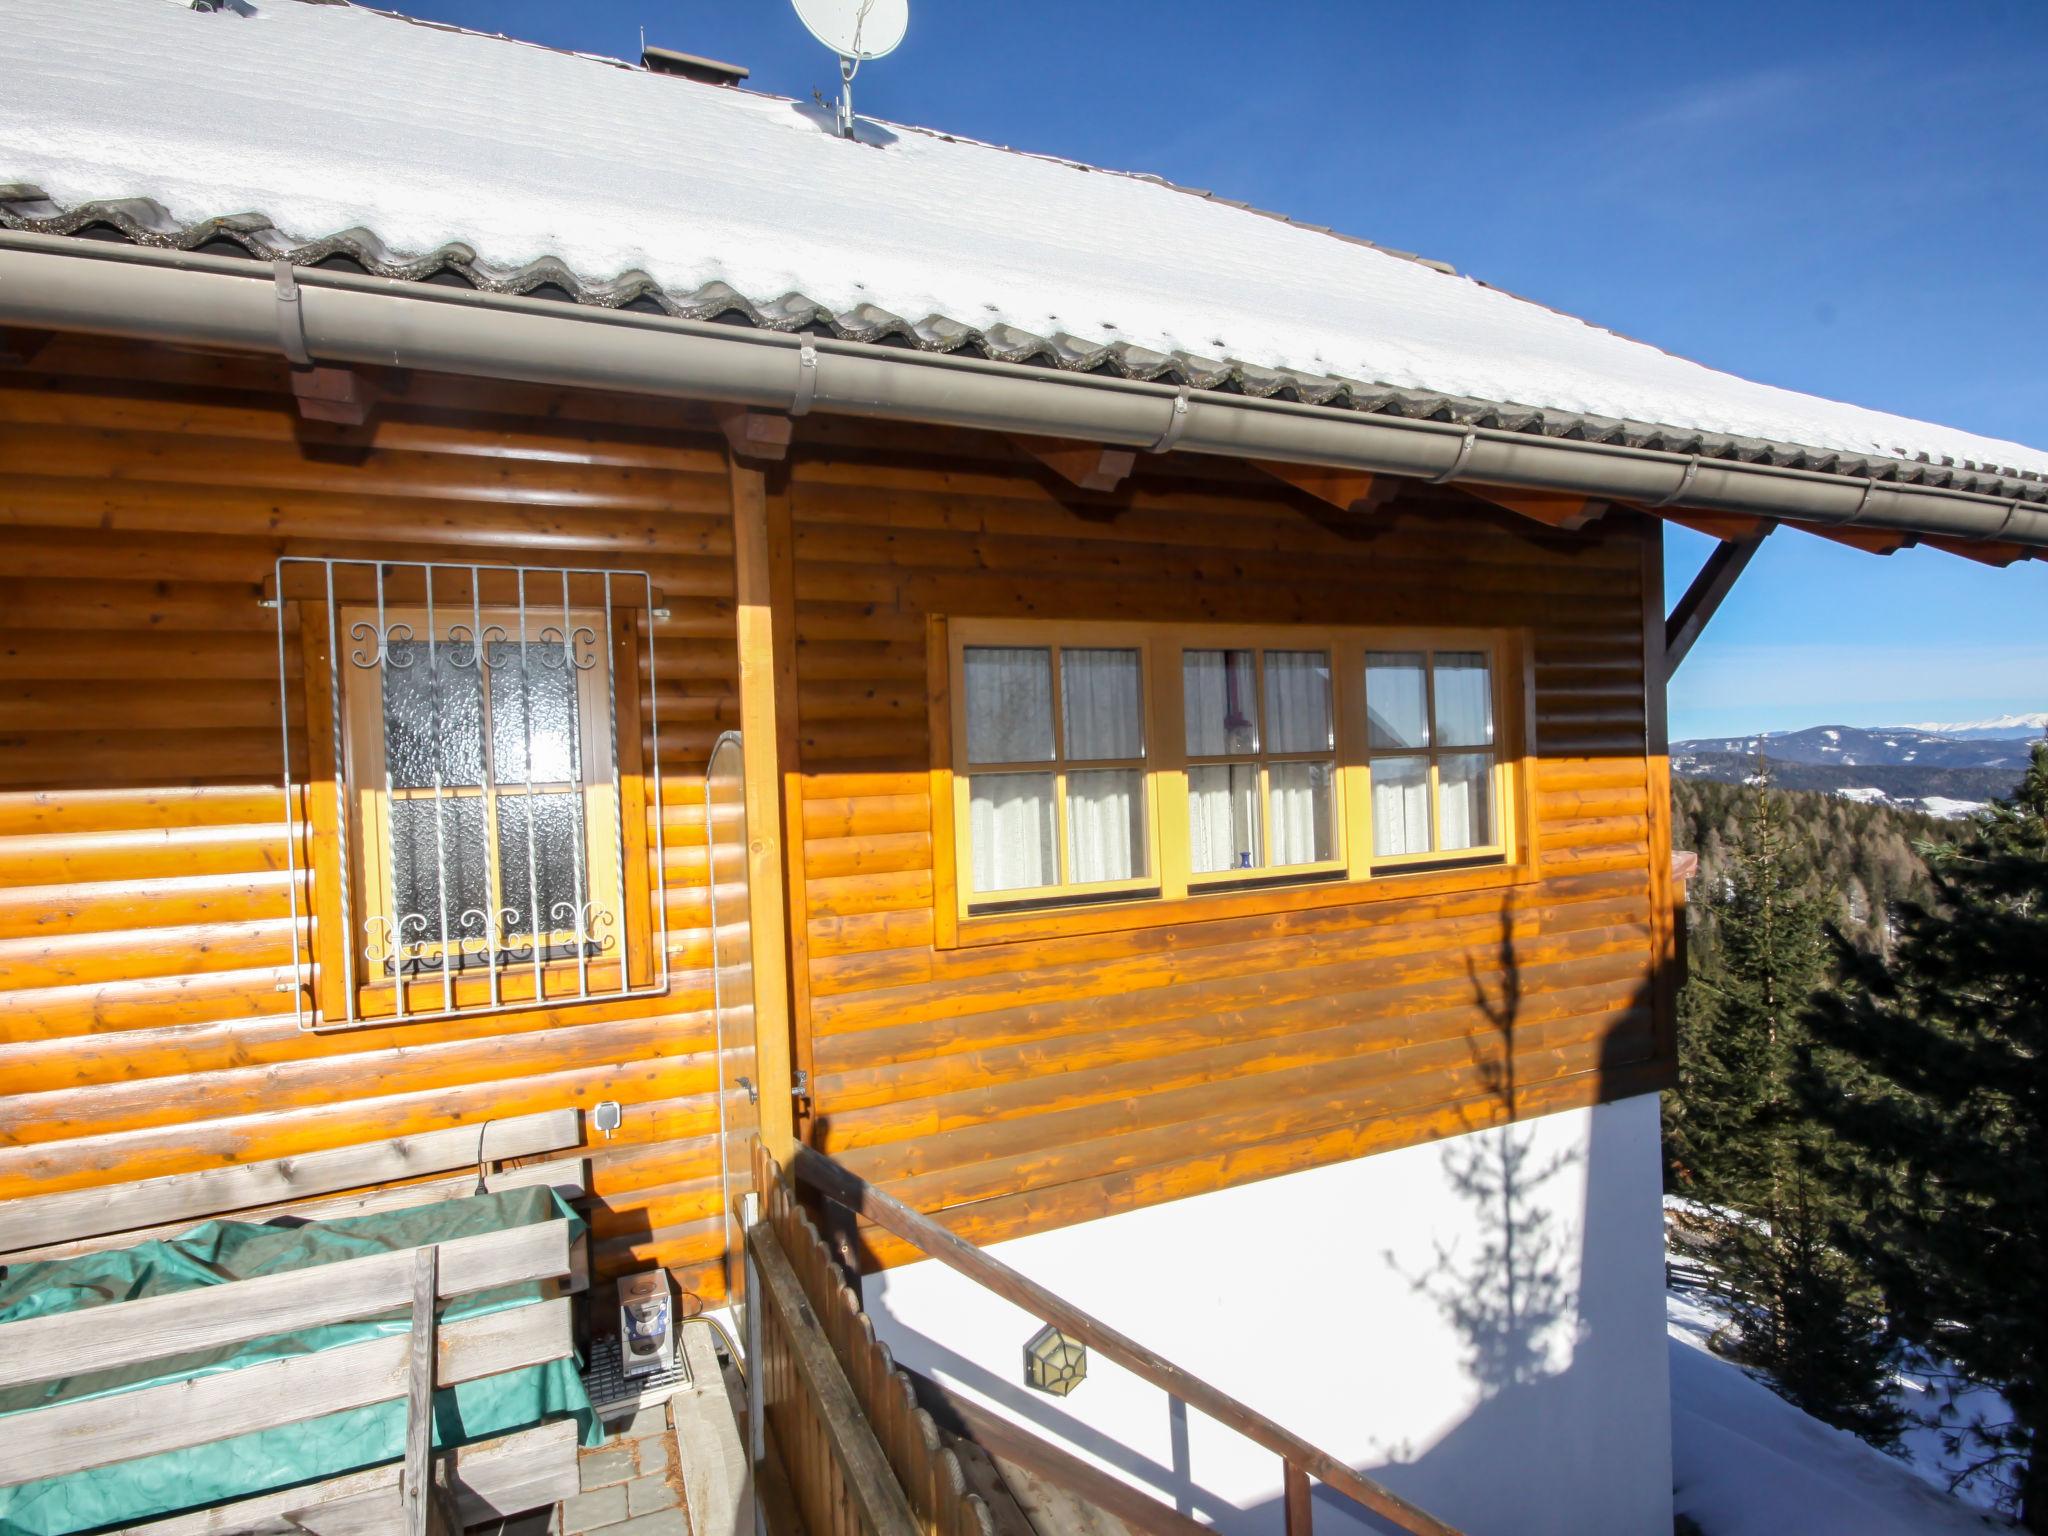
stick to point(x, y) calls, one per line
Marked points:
point(1478, 1322)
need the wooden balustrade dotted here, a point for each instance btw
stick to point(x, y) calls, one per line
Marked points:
point(1301, 1460)
point(862, 1458)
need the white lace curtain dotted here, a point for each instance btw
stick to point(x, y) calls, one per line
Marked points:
point(1224, 803)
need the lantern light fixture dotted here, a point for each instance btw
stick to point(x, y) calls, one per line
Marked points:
point(1055, 1363)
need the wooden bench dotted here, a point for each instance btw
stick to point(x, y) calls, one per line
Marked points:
point(421, 1492)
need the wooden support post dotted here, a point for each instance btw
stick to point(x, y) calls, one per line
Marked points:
point(1348, 490)
point(760, 436)
point(1091, 466)
point(1730, 558)
point(1300, 1502)
point(1560, 509)
point(763, 613)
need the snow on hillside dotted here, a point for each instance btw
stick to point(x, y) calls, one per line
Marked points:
point(1747, 1463)
point(2007, 727)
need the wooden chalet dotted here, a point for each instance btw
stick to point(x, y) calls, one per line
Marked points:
point(1023, 774)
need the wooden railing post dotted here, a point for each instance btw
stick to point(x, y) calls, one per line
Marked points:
point(1300, 1502)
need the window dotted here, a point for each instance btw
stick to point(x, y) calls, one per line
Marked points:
point(1429, 737)
point(485, 843)
point(1261, 763)
point(1055, 787)
point(1111, 763)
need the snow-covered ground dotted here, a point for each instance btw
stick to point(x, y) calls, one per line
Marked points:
point(1747, 1463)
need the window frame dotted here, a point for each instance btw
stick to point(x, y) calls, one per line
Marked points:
point(1055, 640)
point(1430, 646)
point(350, 788)
point(1177, 894)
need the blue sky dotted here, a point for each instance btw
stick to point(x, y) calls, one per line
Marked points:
point(1845, 198)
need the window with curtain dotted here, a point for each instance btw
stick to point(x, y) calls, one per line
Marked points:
point(1261, 760)
point(1431, 752)
point(1056, 783)
point(1117, 761)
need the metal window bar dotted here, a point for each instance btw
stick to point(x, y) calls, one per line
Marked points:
point(385, 933)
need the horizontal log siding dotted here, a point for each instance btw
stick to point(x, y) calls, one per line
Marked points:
point(1019, 1086)
point(144, 908)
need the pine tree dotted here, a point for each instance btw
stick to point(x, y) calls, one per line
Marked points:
point(1744, 1146)
point(1939, 1081)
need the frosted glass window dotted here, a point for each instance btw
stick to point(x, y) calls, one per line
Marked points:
point(436, 859)
point(1303, 831)
point(1011, 825)
point(1465, 799)
point(555, 853)
point(1396, 699)
point(533, 699)
point(1009, 703)
point(1101, 697)
point(432, 710)
point(1298, 701)
point(1400, 806)
point(1105, 825)
point(1223, 817)
point(1464, 699)
point(1222, 701)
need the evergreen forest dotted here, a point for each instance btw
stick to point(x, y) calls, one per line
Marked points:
point(1858, 1142)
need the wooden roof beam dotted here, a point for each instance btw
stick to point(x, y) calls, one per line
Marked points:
point(1872, 541)
point(1558, 509)
point(338, 395)
point(1715, 581)
point(1715, 525)
point(1090, 466)
point(760, 437)
point(1988, 552)
point(1348, 490)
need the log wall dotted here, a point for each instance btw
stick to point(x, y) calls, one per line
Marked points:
point(144, 914)
point(1033, 1083)
point(145, 495)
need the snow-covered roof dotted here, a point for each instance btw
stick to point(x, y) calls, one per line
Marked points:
point(318, 130)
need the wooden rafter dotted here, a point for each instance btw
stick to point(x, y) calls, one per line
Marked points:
point(1559, 509)
point(1874, 541)
point(1348, 490)
point(339, 395)
point(1988, 552)
point(1090, 466)
point(1714, 582)
point(1715, 525)
point(760, 437)
point(19, 345)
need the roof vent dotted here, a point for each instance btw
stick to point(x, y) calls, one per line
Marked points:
point(666, 61)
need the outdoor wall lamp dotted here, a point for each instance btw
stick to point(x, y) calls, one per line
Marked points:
point(1055, 1363)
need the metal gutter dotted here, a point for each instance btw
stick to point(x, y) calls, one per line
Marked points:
point(64, 283)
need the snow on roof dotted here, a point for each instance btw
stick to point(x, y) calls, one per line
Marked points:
point(330, 118)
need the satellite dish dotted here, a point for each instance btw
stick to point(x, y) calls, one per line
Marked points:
point(856, 30)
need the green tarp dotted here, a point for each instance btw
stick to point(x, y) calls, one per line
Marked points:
point(222, 1251)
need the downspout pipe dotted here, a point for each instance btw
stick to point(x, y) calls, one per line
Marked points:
point(67, 284)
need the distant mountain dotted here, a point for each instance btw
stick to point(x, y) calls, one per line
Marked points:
point(2004, 728)
point(1948, 772)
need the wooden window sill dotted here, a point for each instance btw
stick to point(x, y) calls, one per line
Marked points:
point(1112, 917)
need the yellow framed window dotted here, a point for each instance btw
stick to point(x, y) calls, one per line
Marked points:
point(1432, 756)
point(1261, 759)
point(1051, 785)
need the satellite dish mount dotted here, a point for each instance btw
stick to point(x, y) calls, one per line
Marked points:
point(856, 30)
